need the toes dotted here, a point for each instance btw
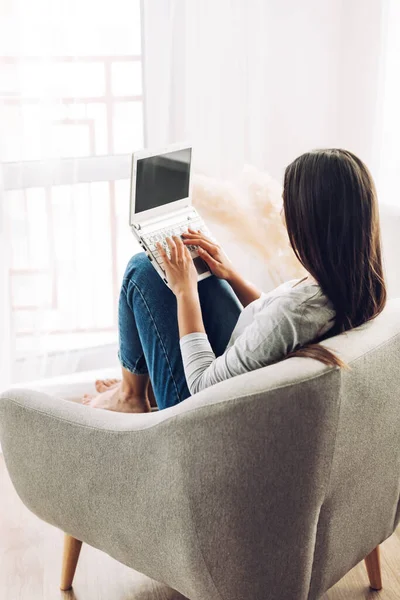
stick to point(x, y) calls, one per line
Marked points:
point(87, 398)
point(110, 382)
point(102, 385)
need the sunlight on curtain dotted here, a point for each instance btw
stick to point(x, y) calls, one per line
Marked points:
point(389, 150)
point(71, 111)
point(261, 82)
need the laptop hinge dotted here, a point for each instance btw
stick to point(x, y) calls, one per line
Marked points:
point(166, 217)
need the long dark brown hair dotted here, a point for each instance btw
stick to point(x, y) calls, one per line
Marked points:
point(332, 219)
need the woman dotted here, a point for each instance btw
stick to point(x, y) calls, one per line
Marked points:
point(224, 325)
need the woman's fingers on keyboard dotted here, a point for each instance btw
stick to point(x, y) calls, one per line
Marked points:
point(161, 250)
point(179, 246)
point(191, 232)
point(195, 233)
point(203, 243)
point(172, 247)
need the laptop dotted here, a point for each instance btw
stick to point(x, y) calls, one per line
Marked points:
point(161, 203)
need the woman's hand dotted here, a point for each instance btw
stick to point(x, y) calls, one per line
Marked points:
point(211, 253)
point(179, 268)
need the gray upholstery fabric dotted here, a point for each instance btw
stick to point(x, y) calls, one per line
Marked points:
point(270, 485)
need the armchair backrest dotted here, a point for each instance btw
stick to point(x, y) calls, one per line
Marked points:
point(281, 479)
point(311, 482)
point(361, 507)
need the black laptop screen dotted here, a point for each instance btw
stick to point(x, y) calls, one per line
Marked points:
point(162, 179)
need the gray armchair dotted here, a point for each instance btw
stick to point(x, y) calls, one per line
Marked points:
point(271, 485)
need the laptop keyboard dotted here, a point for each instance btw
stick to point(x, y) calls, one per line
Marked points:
point(160, 236)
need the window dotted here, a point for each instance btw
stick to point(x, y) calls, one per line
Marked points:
point(71, 102)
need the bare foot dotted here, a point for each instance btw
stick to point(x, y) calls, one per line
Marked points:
point(117, 400)
point(102, 385)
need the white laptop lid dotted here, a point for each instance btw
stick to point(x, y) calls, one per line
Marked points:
point(160, 182)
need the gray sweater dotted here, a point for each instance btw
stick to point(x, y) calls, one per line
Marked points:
point(267, 330)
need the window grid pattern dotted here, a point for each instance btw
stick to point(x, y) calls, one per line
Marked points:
point(70, 243)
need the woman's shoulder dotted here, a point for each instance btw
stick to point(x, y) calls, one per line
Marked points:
point(295, 295)
point(290, 314)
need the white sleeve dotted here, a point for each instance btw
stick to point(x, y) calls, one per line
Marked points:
point(271, 335)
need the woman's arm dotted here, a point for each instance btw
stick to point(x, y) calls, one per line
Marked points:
point(244, 290)
point(221, 266)
point(189, 312)
point(273, 334)
point(182, 278)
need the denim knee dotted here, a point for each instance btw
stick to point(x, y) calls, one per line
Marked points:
point(137, 264)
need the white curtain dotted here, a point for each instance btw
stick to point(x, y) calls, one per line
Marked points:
point(6, 348)
point(70, 114)
point(262, 81)
point(388, 127)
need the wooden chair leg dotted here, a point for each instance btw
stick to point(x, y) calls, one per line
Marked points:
point(72, 548)
point(373, 564)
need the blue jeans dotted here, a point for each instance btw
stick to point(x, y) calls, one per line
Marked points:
point(148, 327)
